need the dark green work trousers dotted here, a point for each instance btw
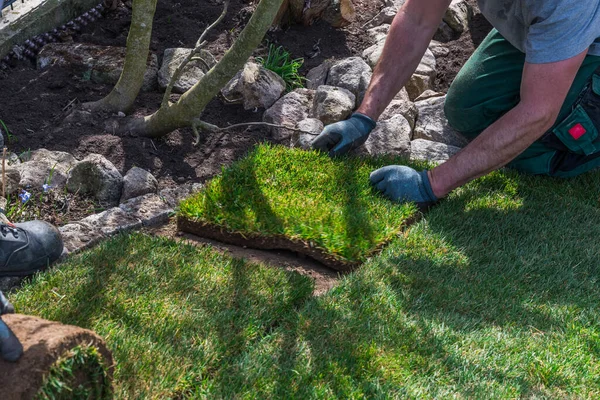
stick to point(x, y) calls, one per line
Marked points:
point(488, 86)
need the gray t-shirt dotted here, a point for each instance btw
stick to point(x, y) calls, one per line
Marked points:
point(547, 30)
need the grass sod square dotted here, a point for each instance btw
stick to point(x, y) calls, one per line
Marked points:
point(279, 198)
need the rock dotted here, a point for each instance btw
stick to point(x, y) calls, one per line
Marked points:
point(112, 221)
point(421, 149)
point(372, 53)
point(79, 236)
point(138, 182)
point(13, 179)
point(438, 49)
point(289, 110)
point(385, 16)
point(61, 159)
point(12, 159)
point(192, 73)
point(423, 77)
point(390, 137)
point(318, 76)
point(339, 13)
point(432, 124)
point(42, 167)
point(444, 33)
point(151, 209)
point(429, 94)
point(254, 87)
point(332, 104)
point(353, 74)
point(101, 64)
point(312, 127)
point(401, 104)
point(97, 176)
point(378, 33)
point(397, 4)
point(172, 196)
point(457, 16)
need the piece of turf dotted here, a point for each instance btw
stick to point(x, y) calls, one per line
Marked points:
point(303, 201)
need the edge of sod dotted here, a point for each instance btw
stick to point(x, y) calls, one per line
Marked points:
point(279, 242)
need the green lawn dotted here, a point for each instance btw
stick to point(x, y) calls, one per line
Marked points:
point(494, 294)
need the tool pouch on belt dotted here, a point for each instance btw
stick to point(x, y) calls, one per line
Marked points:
point(578, 132)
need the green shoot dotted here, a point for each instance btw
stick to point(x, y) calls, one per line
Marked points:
point(278, 60)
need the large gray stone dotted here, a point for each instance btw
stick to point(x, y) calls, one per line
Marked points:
point(172, 196)
point(353, 74)
point(372, 54)
point(254, 87)
point(433, 125)
point(192, 73)
point(401, 104)
point(309, 129)
point(102, 64)
point(43, 166)
point(423, 77)
point(332, 104)
point(378, 33)
point(97, 176)
point(457, 15)
point(138, 182)
point(288, 111)
point(421, 149)
point(112, 221)
point(390, 137)
point(79, 236)
point(317, 76)
point(151, 209)
point(385, 16)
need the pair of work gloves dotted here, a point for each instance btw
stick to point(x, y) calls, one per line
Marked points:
point(396, 182)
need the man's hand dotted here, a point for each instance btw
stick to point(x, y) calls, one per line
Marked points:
point(341, 137)
point(404, 184)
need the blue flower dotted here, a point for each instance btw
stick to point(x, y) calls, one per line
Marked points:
point(24, 196)
point(46, 187)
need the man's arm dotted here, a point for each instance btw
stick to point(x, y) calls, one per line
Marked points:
point(544, 88)
point(408, 38)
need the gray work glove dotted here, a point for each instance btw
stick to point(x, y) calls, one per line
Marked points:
point(404, 184)
point(343, 136)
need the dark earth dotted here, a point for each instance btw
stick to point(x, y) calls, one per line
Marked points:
point(33, 101)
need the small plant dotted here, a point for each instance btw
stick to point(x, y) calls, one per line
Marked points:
point(278, 60)
point(9, 137)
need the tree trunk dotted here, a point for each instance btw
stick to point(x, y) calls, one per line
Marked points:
point(192, 103)
point(123, 95)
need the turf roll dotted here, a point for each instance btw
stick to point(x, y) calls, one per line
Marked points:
point(59, 362)
point(304, 201)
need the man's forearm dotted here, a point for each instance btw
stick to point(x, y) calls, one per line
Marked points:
point(409, 36)
point(495, 147)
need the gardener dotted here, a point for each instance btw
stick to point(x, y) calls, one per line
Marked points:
point(528, 98)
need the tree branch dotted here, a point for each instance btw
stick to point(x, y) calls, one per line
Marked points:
point(199, 45)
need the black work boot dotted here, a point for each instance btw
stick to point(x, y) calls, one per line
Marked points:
point(28, 247)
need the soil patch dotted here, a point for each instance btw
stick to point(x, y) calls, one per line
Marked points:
point(216, 232)
point(324, 278)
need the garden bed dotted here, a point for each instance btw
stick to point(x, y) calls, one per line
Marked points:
point(278, 198)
